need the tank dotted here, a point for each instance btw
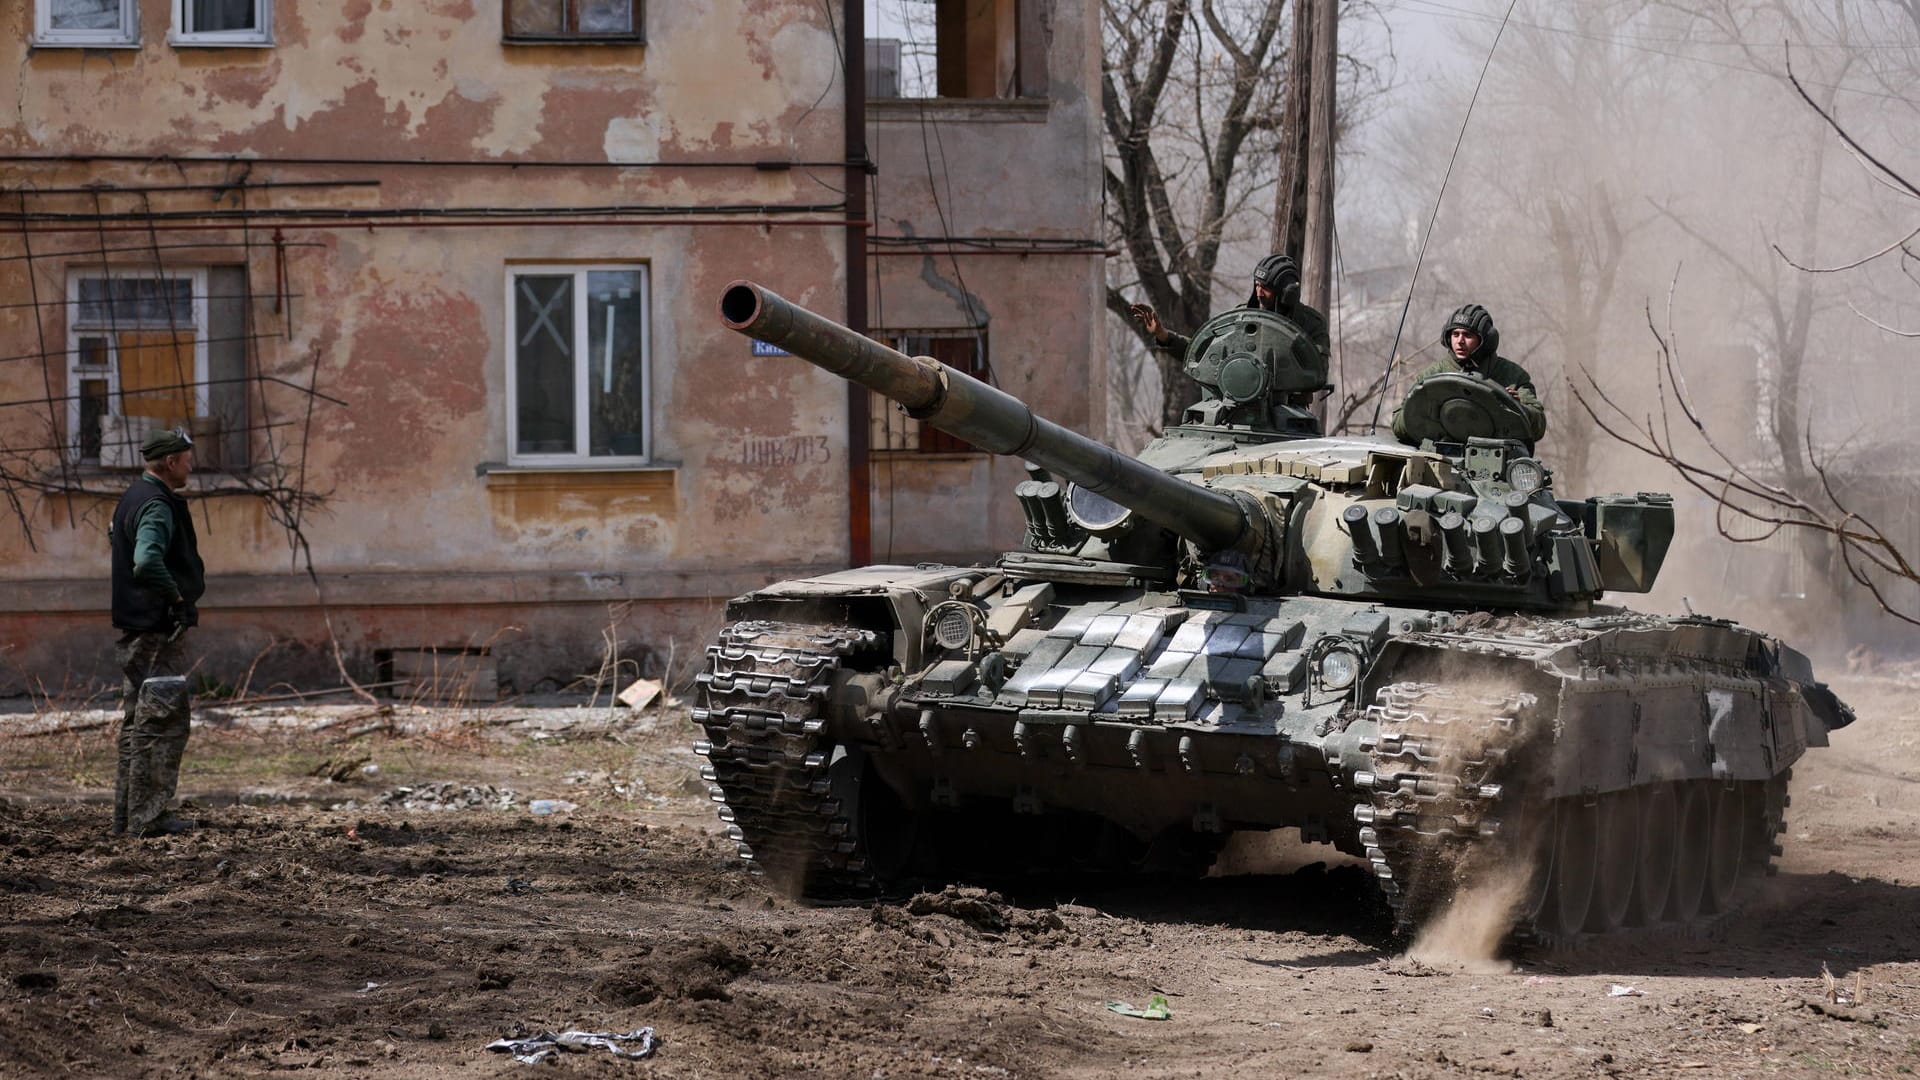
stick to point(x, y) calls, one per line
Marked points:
point(1401, 651)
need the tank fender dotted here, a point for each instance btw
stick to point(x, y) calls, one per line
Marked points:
point(1826, 709)
point(858, 596)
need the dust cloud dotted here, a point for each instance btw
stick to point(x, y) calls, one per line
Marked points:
point(1492, 892)
point(1485, 721)
point(1609, 188)
point(1468, 934)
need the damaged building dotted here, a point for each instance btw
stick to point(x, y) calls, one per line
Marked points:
point(433, 286)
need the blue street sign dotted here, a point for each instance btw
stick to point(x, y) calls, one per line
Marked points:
point(761, 348)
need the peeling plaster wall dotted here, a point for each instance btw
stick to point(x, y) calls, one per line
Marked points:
point(1008, 169)
point(415, 545)
point(413, 78)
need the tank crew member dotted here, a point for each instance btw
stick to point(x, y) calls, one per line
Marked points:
point(157, 579)
point(1276, 288)
point(1472, 343)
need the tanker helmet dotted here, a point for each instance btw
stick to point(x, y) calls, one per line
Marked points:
point(1281, 276)
point(1472, 317)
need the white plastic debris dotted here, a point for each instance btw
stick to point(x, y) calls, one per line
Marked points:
point(543, 807)
point(1617, 990)
point(545, 1046)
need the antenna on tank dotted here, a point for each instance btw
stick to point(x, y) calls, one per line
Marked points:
point(1437, 199)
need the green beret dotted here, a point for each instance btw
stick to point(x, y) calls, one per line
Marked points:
point(161, 443)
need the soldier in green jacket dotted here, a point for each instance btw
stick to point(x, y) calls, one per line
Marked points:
point(1472, 345)
point(157, 580)
point(1276, 288)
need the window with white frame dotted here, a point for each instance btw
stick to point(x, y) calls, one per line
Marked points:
point(86, 23)
point(577, 378)
point(222, 22)
point(155, 350)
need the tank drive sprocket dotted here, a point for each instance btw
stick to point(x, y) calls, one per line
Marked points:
point(770, 763)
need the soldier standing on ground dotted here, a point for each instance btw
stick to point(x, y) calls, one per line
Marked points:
point(1472, 346)
point(157, 579)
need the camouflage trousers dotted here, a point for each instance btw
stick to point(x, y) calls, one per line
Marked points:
point(154, 722)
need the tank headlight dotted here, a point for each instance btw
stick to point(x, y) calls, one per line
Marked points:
point(951, 625)
point(1338, 668)
point(1095, 512)
point(1525, 474)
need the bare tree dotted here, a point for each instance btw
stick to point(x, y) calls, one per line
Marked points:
point(1192, 99)
point(1800, 492)
point(1870, 557)
point(1541, 220)
point(1785, 304)
point(1183, 94)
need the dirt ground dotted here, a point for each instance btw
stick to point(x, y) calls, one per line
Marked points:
point(308, 924)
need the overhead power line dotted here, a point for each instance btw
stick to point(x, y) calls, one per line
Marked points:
point(1443, 11)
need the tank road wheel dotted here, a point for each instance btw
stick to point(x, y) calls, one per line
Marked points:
point(1659, 842)
point(1729, 844)
point(1532, 841)
point(1576, 865)
point(1619, 861)
point(1692, 851)
point(884, 830)
point(1766, 819)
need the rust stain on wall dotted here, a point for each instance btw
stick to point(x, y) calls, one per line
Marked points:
point(246, 86)
point(362, 114)
point(549, 497)
point(411, 357)
point(355, 27)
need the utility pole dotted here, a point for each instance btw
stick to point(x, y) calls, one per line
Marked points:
point(1303, 201)
point(1316, 262)
point(1290, 191)
point(853, 78)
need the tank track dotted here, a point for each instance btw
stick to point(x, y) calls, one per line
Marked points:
point(763, 700)
point(1439, 755)
point(1443, 759)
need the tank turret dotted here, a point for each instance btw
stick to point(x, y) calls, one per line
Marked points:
point(1468, 517)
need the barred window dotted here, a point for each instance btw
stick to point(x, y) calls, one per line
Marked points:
point(891, 428)
point(149, 351)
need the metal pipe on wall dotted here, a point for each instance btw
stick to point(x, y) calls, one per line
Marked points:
point(859, 469)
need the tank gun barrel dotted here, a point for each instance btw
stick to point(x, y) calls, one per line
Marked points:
point(987, 417)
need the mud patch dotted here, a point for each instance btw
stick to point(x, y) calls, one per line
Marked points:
point(394, 946)
point(981, 910)
point(697, 971)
